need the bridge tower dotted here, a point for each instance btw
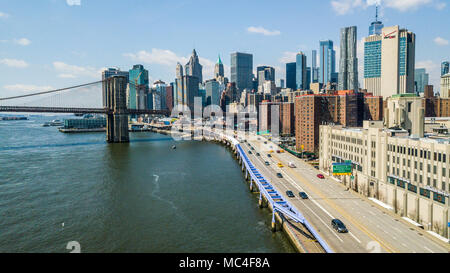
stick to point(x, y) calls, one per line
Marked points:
point(116, 104)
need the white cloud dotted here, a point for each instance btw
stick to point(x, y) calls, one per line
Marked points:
point(404, 5)
point(440, 5)
point(74, 71)
point(440, 41)
point(4, 15)
point(73, 2)
point(288, 57)
point(343, 7)
point(14, 63)
point(27, 88)
point(170, 59)
point(67, 76)
point(22, 41)
point(263, 31)
point(157, 56)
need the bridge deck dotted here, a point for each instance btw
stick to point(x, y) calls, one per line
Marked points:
point(33, 109)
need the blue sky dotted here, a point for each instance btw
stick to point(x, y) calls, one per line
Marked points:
point(57, 43)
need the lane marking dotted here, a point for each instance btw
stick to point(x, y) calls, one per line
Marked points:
point(385, 245)
point(354, 237)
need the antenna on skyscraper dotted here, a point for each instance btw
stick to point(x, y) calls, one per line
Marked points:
point(376, 12)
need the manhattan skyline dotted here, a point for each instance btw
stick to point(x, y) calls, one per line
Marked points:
point(78, 44)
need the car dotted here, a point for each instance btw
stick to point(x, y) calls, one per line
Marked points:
point(269, 155)
point(257, 154)
point(278, 151)
point(281, 151)
point(267, 163)
point(320, 176)
point(271, 151)
point(280, 165)
point(279, 175)
point(250, 152)
point(339, 226)
point(252, 148)
point(290, 194)
point(303, 195)
point(265, 142)
point(291, 165)
point(316, 167)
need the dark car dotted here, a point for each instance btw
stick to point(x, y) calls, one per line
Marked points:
point(265, 142)
point(252, 148)
point(290, 194)
point(257, 154)
point(339, 226)
point(267, 163)
point(303, 195)
point(250, 152)
point(316, 167)
point(269, 155)
point(279, 175)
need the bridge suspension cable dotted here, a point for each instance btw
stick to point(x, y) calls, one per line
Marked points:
point(50, 91)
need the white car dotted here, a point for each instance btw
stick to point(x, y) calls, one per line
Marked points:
point(291, 165)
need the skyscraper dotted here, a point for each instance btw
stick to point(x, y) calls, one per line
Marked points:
point(265, 73)
point(421, 79)
point(348, 64)
point(389, 62)
point(327, 61)
point(107, 74)
point(194, 68)
point(212, 92)
point(242, 70)
point(445, 68)
point(397, 61)
point(300, 73)
point(159, 95)
point(314, 68)
point(372, 64)
point(138, 87)
point(178, 86)
point(376, 26)
point(290, 76)
point(218, 69)
point(190, 91)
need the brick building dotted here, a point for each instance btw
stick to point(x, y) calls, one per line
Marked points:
point(343, 107)
point(373, 107)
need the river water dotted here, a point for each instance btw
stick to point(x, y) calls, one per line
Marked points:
point(143, 196)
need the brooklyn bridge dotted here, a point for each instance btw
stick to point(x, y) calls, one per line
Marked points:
point(74, 99)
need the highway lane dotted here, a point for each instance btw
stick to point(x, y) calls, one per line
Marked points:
point(368, 225)
point(386, 228)
point(339, 242)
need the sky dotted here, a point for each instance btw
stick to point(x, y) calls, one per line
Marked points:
point(47, 44)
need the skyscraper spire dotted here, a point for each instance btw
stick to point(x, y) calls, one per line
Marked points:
point(218, 70)
point(376, 26)
point(376, 13)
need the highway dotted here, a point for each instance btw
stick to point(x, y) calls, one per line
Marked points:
point(370, 228)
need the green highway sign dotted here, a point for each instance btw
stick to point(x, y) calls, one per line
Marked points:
point(342, 169)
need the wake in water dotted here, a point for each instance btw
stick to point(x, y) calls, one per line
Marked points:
point(156, 191)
